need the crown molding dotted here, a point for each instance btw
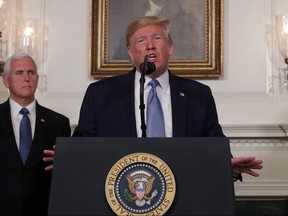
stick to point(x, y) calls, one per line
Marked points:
point(256, 131)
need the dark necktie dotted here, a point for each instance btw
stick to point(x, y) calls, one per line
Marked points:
point(25, 135)
point(155, 118)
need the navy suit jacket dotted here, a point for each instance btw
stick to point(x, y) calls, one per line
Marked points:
point(108, 109)
point(24, 189)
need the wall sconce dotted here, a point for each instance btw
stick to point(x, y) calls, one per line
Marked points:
point(32, 39)
point(4, 31)
point(24, 35)
point(28, 37)
point(282, 40)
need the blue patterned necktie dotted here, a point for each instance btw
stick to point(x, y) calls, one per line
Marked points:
point(155, 118)
point(25, 135)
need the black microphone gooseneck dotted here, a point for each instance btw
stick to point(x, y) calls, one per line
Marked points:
point(146, 68)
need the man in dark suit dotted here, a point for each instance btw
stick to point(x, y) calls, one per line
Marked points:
point(25, 185)
point(110, 107)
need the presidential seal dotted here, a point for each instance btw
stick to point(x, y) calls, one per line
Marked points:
point(140, 184)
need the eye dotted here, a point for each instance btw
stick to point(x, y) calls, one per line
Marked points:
point(140, 40)
point(157, 37)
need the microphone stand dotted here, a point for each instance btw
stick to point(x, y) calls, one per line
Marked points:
point(142, 105)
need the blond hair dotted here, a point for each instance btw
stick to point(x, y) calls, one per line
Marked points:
point(147, 20)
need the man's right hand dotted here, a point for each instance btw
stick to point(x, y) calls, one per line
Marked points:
point(49, 158)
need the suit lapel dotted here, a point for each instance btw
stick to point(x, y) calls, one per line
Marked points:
point(7, 132)
point(179, 106)
point(127, 104)
point(39, 135)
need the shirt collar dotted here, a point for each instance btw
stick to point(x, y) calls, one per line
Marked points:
point(15, 107)
point(163, 79)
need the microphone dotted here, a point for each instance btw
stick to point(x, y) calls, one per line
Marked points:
point(147, 67)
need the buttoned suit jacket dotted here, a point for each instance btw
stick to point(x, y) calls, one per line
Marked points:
point(24, 189)
point(108, 108)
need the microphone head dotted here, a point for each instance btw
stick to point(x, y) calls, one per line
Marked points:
point(150, 67)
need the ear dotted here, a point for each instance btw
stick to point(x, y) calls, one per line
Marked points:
point(131, 54)
point(5, 81)
point(171, 48)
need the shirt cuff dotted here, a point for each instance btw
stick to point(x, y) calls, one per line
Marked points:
point(237, 177)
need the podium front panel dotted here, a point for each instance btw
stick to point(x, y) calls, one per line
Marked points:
point(201, 167)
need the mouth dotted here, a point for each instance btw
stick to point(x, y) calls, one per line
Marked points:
point(26, 86)
point(151, 57)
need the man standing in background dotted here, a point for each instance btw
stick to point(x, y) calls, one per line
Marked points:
point(26, 129)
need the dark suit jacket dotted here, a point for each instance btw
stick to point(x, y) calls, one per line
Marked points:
point(108, 109)
point(25, 189)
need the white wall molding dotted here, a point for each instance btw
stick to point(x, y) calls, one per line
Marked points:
point(273, 179)
point(259, 143)
point(255, 130)
point(258, 188)
point(243, 97)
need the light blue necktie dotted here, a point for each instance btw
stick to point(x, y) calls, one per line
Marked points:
point(155, 118)
point(25, 135)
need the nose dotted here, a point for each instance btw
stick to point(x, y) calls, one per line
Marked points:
point(26, 76)
point(150, 44)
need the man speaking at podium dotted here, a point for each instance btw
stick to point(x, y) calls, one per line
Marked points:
point(180, 107)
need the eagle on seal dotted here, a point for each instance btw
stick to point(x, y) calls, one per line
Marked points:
point(141, 187)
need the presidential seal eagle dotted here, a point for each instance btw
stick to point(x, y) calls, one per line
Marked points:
point(140, 185)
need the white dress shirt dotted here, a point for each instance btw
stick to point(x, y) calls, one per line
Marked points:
point(17, 117)
point(163, 92)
